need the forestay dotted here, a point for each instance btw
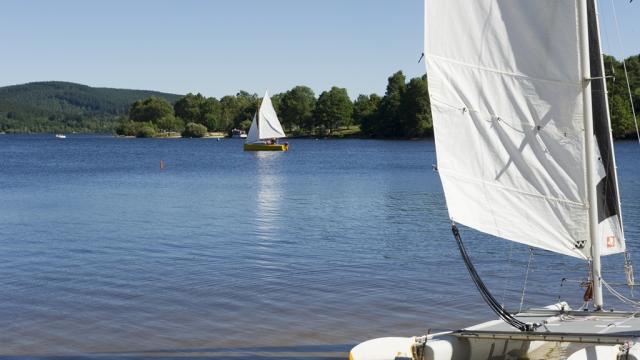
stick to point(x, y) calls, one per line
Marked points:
point(506, 96)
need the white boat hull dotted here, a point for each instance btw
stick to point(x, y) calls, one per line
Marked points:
point(442, 347)
point(447, 347)
point(585, 335)
point(383, 349)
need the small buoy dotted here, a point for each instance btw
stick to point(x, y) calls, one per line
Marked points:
point(161, 164)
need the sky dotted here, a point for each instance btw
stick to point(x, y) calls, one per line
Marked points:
point(218, 47)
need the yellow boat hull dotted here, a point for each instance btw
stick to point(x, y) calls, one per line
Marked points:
point(265, 147)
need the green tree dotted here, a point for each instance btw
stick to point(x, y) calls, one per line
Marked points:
point(388, 116)
point(364, 109)
point(619, 105)
point(211, 115)
point(296, 108)
point(247, 105)
point(188, 108)
point(276, 100)
point(194, 130)
point(245, 125)
point(146, 130)
point(333, 109)
point(201, 110)
point(170, 123)
point(150, 110)
point(229, 110)
point(415, 111)
point(126, 127)
point(621, 117)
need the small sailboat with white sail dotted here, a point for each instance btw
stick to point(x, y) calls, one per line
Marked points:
point(525, 153)
point(265, 129)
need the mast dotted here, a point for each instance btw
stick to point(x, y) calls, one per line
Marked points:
point(590, 167)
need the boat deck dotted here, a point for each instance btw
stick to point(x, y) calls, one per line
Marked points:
point(564, 326)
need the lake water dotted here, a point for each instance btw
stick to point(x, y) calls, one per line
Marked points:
point(225, 253)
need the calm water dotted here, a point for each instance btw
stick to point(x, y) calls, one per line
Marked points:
point(232, 254)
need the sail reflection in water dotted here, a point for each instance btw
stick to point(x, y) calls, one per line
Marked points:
point(268, 202)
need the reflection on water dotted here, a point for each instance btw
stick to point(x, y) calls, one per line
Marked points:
point(268, 204)
point(227, 253)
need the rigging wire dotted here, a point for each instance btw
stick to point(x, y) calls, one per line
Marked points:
point(526, 278)
point(620, 296)
point(484, 291)
point(628, 267)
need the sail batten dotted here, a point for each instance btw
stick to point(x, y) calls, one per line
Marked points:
point(507, 92)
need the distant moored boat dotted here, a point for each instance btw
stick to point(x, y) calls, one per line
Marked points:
point(238, 134)
point(61, 136)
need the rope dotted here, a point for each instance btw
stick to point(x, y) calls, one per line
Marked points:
point(484, 291)
point(624, 66)
point(526, 278)
point(628, 271)
point(619, 296)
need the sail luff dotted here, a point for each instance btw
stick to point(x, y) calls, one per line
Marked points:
point(590, 174)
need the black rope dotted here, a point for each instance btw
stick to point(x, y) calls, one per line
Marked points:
point(484, 291)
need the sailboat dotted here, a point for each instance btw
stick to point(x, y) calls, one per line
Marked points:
point(525, 153)
point(265, 129)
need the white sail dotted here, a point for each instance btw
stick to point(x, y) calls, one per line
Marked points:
point(253, 135)
point(265, 124)
point(507, 102)
point(268, 124)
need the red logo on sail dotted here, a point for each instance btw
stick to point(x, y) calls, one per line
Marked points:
point(611, 242)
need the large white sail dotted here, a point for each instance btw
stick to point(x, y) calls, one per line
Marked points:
point(265, 124)
point(507, 102)
point(269, 124)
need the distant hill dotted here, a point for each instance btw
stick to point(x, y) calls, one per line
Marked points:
point(55, 106)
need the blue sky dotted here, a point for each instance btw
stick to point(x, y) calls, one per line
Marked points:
point(218, 47)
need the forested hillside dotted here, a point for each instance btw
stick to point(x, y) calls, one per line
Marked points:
point(65, 107)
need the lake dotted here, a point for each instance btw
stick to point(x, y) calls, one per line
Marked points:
point(225, 253)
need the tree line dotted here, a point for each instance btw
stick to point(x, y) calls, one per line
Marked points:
point(402, 112)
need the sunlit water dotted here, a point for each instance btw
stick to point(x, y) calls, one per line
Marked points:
point(226, 253)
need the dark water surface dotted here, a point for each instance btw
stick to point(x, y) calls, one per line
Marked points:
point(232, 254)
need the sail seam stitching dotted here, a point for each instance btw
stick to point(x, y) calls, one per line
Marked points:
point(507, 73)
point(469, 179)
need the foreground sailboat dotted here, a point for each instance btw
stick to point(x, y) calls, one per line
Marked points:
point(523, 139)
point(265, 129)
